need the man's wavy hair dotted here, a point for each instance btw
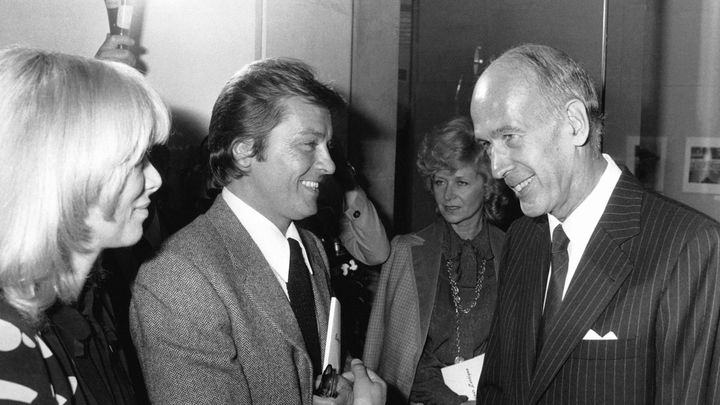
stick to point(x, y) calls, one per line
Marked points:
point(452, 145)
point(252, 103)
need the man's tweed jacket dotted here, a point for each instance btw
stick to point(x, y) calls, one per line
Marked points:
point(212, 325)
point(400, 319)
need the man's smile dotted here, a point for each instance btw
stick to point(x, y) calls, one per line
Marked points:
point(313, 185)
point(518, 188)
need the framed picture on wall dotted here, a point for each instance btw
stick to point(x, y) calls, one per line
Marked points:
point(702, 165)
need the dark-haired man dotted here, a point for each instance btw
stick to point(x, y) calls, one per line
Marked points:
point(234, 307)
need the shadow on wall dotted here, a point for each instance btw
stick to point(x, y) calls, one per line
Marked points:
point(362, 130)
point(182, 163)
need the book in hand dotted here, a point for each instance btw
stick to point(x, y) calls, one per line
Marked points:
point(463, 377)
point(331, 354)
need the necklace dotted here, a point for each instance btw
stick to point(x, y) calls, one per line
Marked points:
point(457, 301)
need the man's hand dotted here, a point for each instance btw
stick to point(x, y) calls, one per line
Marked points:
point(368, 387)
point(111, 49)
point(360, 386)
point(344, 397)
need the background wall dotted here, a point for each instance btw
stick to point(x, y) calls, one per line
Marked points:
point(663, 68)
point(191, 48)
point(662, 79)
point(73, 27)
point(373, 99)
point(446, 34)
point(681, 96)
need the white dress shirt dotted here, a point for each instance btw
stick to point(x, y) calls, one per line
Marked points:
point(581, 223)
point(272, 243)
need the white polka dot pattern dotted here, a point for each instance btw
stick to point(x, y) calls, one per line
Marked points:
point(10, 336)
point(73, 383)
point(46, 352)
point(11, 391)
point(28, 341)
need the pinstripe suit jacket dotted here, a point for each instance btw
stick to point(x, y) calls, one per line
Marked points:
point(212, 325)
point(400, 319)
point(650, 274)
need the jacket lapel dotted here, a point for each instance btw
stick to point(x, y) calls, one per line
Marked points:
point(535, 279)
point(426, 263)
point(600, 273)
point(496, 237)
point(250, 276)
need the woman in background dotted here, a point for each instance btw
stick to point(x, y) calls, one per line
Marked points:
point(437, 291)
point(75, 133)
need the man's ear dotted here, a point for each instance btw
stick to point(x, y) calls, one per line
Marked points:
point(578, 120)
point(243, 154)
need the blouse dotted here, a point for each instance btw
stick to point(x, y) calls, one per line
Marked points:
point(470, 263)
point(71, 357)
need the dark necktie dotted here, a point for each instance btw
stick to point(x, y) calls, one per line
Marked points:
point(302, 302)
point(553, 299)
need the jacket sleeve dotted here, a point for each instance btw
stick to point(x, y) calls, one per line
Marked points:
point(182, 334)
point(376, 325)
point(688, 340)
point(393, 342)
point(361, 231)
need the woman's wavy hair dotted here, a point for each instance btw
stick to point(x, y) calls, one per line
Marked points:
point(72, 129)
point(451, 145)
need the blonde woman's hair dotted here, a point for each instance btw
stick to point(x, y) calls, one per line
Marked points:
point(450, 146)
point(72, 129)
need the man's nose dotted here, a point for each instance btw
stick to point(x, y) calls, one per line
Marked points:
point(324, 161)
point(499, 162)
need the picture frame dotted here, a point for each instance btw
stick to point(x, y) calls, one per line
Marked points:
point(701, 173)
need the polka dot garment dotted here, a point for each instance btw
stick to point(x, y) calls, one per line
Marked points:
point(30, 373)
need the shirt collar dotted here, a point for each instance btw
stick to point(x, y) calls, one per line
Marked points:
point(581, 223)
point(272, 243)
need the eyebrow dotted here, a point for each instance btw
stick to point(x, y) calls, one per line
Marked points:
point(450, 178)
point(308, 131)
point(505, 129)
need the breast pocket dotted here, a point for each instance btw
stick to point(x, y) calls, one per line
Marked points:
point(606, 349)
point(605, 372)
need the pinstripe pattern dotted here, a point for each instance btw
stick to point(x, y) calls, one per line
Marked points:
point(650, 274)
point(558, 271)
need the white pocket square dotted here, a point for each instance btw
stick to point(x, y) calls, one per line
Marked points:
point(592, 335)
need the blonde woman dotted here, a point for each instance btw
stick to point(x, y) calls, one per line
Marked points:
point(437, 291)
point(75, 179)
